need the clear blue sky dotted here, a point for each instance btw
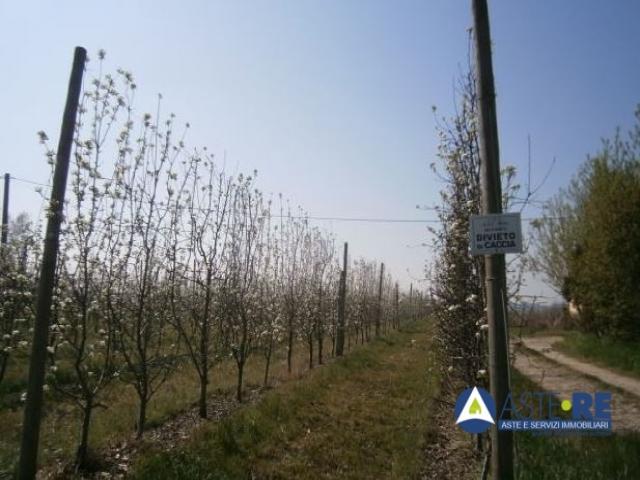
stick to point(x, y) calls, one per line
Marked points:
point(331, 100)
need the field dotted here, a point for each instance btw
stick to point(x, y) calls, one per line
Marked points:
point(116, 424)
point(365, 416)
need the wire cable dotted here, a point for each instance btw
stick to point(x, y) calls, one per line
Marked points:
point(310, 217)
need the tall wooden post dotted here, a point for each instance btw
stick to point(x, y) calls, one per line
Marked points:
point(342, 300)
point(379, 313)
point(397, 305)
point(33, 408)
point(5, 210)
point(495, 272)
point(411, 301)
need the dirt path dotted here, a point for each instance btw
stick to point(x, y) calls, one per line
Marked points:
point(544, 346)
point(557, 372)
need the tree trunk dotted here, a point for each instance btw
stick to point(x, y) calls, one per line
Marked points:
point(81, 455)
point(204, 348)
point(142, 416)
point(240, 375)
point(320, 341)
point(290, 346)
point(204, 382)
point(267, 364)
point(3, 366)
point(310, 342)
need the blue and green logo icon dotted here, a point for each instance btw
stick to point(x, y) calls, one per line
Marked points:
point(475, 410)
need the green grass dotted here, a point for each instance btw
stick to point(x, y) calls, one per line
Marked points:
point(61, 423)
point(10, 391)
point(578, 457)
point(363, 416)
point(623, 356)
point(538, 330)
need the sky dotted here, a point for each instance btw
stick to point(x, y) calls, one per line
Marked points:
point(331, 101)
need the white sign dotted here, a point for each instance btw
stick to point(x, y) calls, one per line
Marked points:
point(496, 233)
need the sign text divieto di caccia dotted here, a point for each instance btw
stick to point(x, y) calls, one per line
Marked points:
point(496, 233)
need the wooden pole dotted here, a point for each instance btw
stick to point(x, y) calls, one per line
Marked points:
point(5, 210)
point(411, 301)
point(342, 300)
point(495, 272)
point(27, 466)
point(379, 313)
point(397, 302)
